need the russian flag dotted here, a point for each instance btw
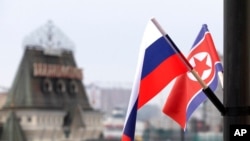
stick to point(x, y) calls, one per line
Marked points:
point(158, 64)
point(186, 94)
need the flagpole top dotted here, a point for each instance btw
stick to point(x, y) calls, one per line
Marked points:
point(155, 22)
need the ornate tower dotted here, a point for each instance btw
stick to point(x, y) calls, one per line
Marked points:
point(47, 95)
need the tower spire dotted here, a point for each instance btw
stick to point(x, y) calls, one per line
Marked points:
point(49, 38)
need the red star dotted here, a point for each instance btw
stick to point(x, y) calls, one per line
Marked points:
point(201, 66)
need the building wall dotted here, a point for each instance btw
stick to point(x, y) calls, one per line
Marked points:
point(47, 125)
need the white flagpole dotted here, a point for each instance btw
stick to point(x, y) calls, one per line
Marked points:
point(221, 78)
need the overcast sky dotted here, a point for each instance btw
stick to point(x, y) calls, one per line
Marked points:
point(106, 33)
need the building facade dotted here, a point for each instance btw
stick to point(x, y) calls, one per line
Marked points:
point(47, 100)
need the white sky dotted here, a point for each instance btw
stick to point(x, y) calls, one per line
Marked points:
point(106, 33)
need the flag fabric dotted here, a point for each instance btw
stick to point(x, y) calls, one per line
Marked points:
point(158, 64)
point(186, 94)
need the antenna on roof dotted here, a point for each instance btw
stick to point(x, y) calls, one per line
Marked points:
point(50, 39)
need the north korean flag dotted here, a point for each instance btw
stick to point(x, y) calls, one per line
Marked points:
point(186, 94)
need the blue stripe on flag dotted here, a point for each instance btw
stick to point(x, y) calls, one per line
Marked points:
point(155, 54)
point(129, 128)
point(201, 35)
point(219, 67)
point(200, 97)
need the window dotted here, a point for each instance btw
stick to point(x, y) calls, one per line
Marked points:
point(60, 86)
point(29, 119)
point(73, 88)
point(47, 86)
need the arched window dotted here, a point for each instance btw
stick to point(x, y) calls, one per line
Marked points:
point(60, 86)
point(73, 87)
point(47, 86)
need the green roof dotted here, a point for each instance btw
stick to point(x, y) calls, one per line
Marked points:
point(26, 89)
point(12, 130)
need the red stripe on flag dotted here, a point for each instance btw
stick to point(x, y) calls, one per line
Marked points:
point(175, 106)
point(125, 138)
point(155, 81)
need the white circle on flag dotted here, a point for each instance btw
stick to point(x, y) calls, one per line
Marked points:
point(201, 56)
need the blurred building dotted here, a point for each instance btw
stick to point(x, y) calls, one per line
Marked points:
point(3, 96)
point(47, 100)
point(114, 122)
point(107, 98)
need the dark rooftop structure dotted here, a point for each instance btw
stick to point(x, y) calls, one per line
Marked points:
point(36, 84)
point(48, 86)
point(48, 75)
